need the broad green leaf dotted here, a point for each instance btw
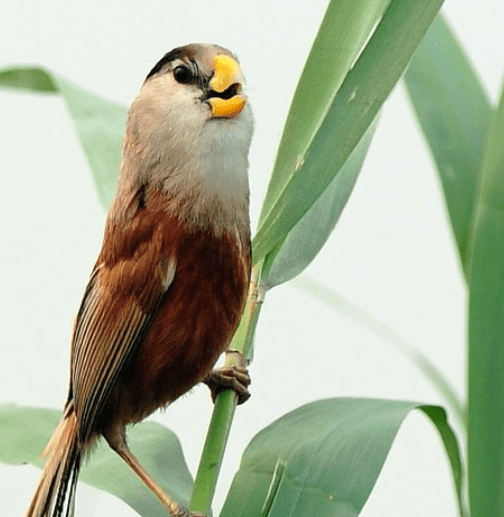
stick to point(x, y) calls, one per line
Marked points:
point(306, 239)
point(344, 29)
point(454, 113)
point(389, 336)
point(354, 107)
point(323, 459)
point(24, 432)
point(486, 333)
point(99, 122)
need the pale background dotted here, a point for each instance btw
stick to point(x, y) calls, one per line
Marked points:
point(392, 253)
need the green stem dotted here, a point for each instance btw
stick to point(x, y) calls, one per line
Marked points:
point(222, 416)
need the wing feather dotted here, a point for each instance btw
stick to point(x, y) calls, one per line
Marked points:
point(116, 312)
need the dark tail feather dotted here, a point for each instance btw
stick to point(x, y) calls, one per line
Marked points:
point(55, 493)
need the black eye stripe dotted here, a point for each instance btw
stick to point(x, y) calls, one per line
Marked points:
point(171, 56)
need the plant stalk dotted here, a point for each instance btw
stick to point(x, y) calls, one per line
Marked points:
point(222, 416)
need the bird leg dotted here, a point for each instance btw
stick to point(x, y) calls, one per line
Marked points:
point(236, 378)
point(173, 508)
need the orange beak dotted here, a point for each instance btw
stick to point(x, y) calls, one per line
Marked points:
point(226, 98)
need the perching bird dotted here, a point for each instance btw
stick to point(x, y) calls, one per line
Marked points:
point(171, 280)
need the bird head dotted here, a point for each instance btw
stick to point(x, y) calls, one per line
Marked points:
point(191, 87)
point(189, 131)
point(208, 75)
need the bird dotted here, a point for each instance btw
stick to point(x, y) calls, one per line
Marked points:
point(170, 283)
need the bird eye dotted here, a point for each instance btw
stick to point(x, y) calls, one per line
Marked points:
point(182, 74)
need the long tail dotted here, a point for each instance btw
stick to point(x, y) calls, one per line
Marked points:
point(55, 493)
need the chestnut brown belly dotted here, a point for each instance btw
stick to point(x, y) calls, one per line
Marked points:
point(193, 325)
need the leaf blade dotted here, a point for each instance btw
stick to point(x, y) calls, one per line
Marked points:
point(324, 458)
point(486, 332)
point(354, 107)
point(308, 236)
point(337, 302)
point(99, 122)
point(454, 114)
point(342, 33)
point(24, 432)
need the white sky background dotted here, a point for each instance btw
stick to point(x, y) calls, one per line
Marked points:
point(392, 252)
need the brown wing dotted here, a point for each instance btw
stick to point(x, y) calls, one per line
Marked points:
point(121, 299)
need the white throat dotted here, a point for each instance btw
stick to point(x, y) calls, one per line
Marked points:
point(222, 158)
point(215, 177)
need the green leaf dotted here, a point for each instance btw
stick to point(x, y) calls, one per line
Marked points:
point(454, 113)
point(342, 33)
point(389, 336)
point(351, 112)
point(99, 122)
point(306, 239)
point(324, 458)
point(486, 333)
point(24, 432)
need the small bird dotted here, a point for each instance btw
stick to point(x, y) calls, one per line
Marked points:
point(170, 283)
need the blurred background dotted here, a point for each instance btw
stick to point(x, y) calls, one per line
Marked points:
point(392, 252)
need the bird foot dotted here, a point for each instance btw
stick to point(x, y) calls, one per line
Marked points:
point(180, 511)
point(235, 378)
